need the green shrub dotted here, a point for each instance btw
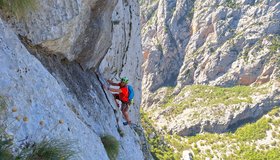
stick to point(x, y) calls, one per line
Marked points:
point(5, 146)
point(230, 3)
point(253, 131)
point(111, 146)
point(159, 149)
point(120, 132)
point(275, 46)
point(18, 7)
point(3, 104)
point(48, 150)
point(251, 153)
point(6, 155)
point(274, 112)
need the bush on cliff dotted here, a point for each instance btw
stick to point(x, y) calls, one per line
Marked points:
point(111, 146)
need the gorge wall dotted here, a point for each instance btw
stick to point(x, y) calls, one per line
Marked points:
point(223, 43)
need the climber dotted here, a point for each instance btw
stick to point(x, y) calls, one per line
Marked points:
point(123, 96)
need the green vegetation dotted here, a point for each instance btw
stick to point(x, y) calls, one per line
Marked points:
point(158, 45)
point(142, 2)
point(209, 96)
point(241, 143)
point(3, 104)
point(168, 97)
point(275, 46)
point(48, 150)
point(121, 132)
point(111, 146)
point(18, 7)
point(230, 3)
point(191, 13)
point(251, 153)
point(5, 146)
point(159, 149)
point(253, 131)
point(245, 54)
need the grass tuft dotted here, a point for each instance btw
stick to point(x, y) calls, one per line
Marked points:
point(121, 132)
point(5, 146)
point(48, 150)
point(45, 150)
point(111, 146)
point(3, 104)
point(18, 7)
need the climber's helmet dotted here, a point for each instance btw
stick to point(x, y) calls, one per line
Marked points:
point(124, 80)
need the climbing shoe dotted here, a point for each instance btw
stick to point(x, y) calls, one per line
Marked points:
point(126, 123)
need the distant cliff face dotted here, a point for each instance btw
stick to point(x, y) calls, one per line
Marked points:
point(51, 75)
point(212, 42)
point(216, 43)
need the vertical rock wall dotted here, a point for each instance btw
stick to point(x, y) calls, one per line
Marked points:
point(124, 57)
point(57, 79)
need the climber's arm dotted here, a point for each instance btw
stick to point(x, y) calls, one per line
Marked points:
point(115, 90)
point(112, 89)
point(112, 83)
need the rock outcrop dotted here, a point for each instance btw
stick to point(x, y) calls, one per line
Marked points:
point(80, 31)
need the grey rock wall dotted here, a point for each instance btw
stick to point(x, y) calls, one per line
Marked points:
point(51, 74)
point(124, 57)
point(78, 30)
point(29, 87)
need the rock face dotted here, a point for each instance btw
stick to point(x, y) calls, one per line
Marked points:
point(53, 82)
point(124, 57)
point(217, 43)
point(234, 45)
point(165, 37)
point(77, 30)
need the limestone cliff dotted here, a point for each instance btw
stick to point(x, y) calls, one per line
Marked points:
point(51, 79)
point(218, 43)
point(209, 66)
